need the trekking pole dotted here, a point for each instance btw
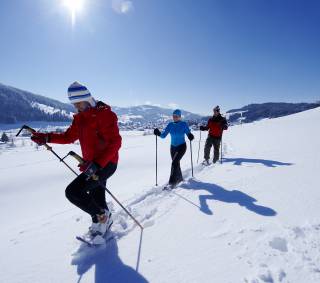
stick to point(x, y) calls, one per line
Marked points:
point(81, 161)
point(96, 178)
point(156, 161)
point(199, 149)
point(191, 158)
point(31, 131)
point(221, 151)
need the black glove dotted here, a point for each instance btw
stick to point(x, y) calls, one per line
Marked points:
point(203, 128)
point(190, 137)
point(100, 104)
point(92, 169)
point(40, 138)
point(224, 126)
point(157, 132)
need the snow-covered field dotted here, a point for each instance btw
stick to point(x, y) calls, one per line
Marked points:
point(254, 218)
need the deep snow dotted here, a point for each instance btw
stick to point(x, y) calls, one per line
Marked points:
point(254, 218)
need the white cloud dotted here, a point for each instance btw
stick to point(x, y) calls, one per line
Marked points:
point(152, 104)
point(173, 105)
point(122, 6)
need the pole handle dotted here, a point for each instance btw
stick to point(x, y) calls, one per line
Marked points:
point(76, 156)
point(31, 131)
point(25, 127)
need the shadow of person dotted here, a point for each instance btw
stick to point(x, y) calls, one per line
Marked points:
point(220, 194)
point(109, 268)
point(268, 163)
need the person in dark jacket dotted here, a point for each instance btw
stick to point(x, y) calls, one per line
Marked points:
point(177, 129)
point(216, 125)
point(96, 127)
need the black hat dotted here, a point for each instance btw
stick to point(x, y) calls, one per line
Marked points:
point(217, 108)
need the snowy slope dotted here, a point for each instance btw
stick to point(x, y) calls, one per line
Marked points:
point(254, 218)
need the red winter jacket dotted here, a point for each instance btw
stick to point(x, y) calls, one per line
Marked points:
point(216, 125)
point(98, 133)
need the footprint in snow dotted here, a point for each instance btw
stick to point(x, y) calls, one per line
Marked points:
point(279, 244)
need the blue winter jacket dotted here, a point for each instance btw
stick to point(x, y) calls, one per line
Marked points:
point(177, 131)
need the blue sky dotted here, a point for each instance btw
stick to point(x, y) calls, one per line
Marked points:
point(194, 54)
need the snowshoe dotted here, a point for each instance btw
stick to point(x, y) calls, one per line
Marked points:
point(98, 231)
point(206, 162)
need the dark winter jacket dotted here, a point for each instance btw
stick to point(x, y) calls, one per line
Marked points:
point(216, 125)
point(98, 133)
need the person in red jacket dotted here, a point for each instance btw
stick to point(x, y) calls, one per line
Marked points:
point(96, 127)
point(216, 125)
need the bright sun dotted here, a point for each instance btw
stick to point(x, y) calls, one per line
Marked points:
point(74, 6)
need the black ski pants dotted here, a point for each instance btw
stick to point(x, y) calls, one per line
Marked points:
point(89, 195)
point(177, 152)
point(215, 142)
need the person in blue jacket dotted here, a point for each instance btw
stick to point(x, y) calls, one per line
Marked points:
point(177, 129)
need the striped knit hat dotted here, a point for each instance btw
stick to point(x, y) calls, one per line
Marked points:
point(78, 92)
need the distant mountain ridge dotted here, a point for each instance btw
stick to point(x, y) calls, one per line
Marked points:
point(255, 112)
point(22, 106)
point(19, 105)
point(150, 113)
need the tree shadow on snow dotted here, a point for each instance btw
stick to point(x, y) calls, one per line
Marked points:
point(109, 268)
point(268, 163)
point(220, 194)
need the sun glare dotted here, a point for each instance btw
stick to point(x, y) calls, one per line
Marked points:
point(74, 6)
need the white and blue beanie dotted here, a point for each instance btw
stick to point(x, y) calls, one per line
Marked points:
point(78, 92)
